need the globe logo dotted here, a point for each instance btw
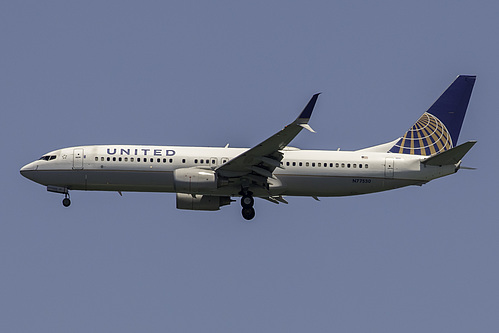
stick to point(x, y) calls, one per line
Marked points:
point(428, 136)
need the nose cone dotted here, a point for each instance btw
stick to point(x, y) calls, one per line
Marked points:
point(29, 170)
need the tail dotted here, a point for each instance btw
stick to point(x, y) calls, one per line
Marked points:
point(438, 128)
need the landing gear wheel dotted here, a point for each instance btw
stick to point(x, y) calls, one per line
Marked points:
point(247, 201)
point(66, 202)
point(248, 213)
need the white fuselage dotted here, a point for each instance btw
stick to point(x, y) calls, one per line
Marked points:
point(206, 178)
point(317, 173)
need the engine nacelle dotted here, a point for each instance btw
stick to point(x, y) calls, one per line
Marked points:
point(194, 180)
point(201, 202)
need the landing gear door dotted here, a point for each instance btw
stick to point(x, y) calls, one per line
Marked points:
point(389, 167)
point(78, 159)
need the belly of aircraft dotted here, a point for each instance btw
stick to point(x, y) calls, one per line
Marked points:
point(162, 181)
point(322, 186)
point(109, 180)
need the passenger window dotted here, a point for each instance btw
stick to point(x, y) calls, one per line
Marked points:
point(126, 159)
point(294, 163)
point(287, 163)
point(158, 160)
point(307, 164)
point(102, 158)
point(108, 159)
point(366, 166)
point(337, 165)
point(114, 159)
point(96, 158)
point(342, 165)
point(119, 159)
point(348, 165)
point(313, 164)
point(196, 161)
point(319, 164)
point(131, 159)
point(360, 166)
point(138, 159)
point(183, 160)
point(202, 161)
point(300, 163)
point(207, 161)
point(171, 160)
point(354, 165)
point(151, 160)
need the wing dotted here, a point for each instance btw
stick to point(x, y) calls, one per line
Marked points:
point(256, 165)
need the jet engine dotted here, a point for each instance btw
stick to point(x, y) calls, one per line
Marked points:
point(194, 180)
point(201, 202)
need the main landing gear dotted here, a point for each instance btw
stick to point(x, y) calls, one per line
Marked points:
point(247, 203)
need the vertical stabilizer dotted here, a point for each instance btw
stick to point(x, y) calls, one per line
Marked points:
point(438, 129)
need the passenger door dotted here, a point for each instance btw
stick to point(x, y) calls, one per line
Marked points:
point(78, 159)
point(389, 167)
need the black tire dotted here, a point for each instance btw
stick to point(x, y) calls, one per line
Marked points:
point(248, 213)
point(247, 201)
point(66, 202)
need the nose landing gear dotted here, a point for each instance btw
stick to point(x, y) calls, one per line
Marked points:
point(63, 190)
point(247, 203)
point(66, 201)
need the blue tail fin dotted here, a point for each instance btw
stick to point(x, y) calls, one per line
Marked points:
point(437, 130)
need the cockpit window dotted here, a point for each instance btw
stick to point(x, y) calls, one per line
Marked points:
point(48, 157)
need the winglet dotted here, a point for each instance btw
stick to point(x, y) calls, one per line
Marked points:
point(307, 111)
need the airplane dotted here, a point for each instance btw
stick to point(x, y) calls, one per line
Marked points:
point(208, 178)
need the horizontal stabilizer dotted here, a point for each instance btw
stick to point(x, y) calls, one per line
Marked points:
point(451, 156)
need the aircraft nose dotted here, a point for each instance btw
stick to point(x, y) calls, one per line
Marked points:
point(28, 169)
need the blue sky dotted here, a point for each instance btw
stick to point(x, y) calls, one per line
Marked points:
point(210, 73)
